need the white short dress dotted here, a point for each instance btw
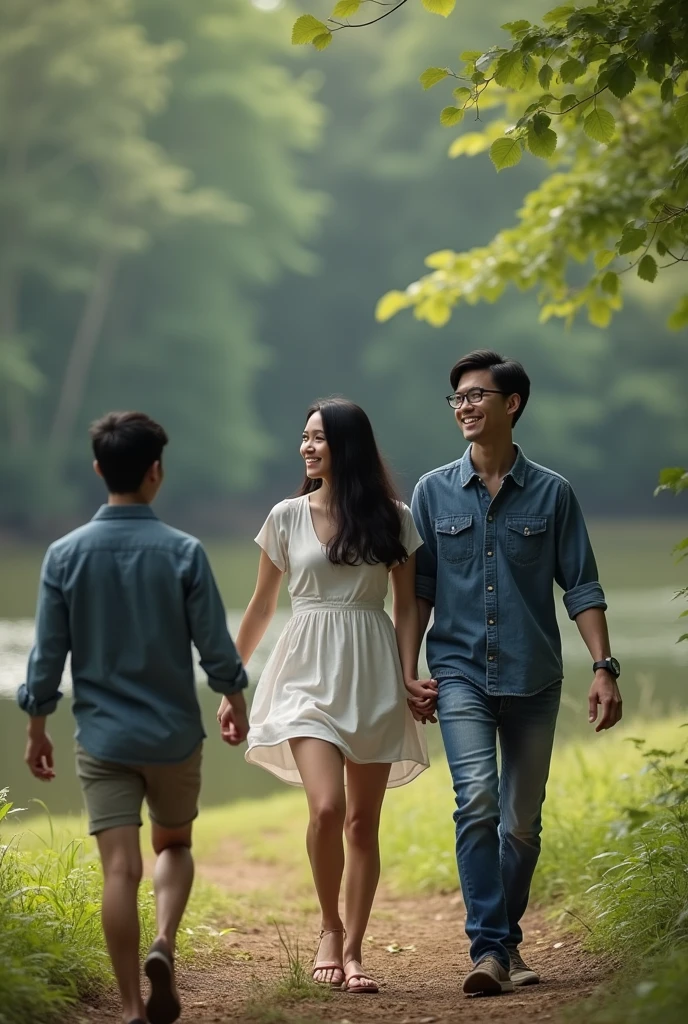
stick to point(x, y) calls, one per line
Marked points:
point(334, 673)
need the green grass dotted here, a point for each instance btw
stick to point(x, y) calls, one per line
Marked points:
point(51, 942)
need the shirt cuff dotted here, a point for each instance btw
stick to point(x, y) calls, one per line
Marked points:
point(229, 688)
point(426, 587)
point(37, 709)
point(587, 595)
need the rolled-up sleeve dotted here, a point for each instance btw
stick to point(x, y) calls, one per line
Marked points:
point(40, 694)
point(426, 556)
point(576, 569)
point(208, 625)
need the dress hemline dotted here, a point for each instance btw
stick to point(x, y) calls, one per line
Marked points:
point(291, 775)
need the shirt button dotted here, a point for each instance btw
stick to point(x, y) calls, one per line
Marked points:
point(453, 529)
point(490, 622)
point(490, 657)
point(489, 554)
point(490, 518)
point(526, 532)
point(490, 588)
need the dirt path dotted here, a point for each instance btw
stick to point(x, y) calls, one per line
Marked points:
point(416, 949)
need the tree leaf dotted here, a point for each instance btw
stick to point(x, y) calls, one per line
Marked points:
point(469, 144)
point(631, 239)
point(567, 102)
point(471, 55)
point(561, 13)
point(511, 71)
point(431, 76)
point(599, 312)
point(667, 90)
point(545, 75)
point(306, 29)
point(647, 268)
point(505, 153)
point(610, 282)
point(345, 8)
point(572, 69)
point(604, 257)
point(541, 122)
point(462, 93)
point(679, 318)
point(681, 113)
point(443, 7)
point(322, 41)
point(542, 143)
point(516, 26)
point(391, 304)
point(599, 125)
point(452, 115)
point(622, 81)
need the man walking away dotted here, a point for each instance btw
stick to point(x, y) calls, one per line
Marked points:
point(127, 595)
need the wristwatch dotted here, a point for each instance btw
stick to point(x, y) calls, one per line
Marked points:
point(610, 665)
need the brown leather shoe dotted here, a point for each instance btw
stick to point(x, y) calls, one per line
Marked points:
point(488, 978)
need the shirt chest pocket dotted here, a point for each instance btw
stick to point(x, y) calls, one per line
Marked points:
point(455, 538)
point(525, 538)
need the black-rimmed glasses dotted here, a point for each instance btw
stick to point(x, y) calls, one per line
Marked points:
point(473, 396)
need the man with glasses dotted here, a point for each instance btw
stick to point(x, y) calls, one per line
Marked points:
point(498, 532)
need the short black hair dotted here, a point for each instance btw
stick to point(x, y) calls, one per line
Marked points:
point(508, 375)
point(125, 445)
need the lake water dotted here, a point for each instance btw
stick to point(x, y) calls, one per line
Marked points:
point(644, 629)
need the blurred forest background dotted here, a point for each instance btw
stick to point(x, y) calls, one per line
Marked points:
point(196, 219)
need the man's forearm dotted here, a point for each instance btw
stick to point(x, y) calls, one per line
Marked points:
point(592, 626)
point(36, 726)
point(424, 613)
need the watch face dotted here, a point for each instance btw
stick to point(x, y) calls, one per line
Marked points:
point(615, 667)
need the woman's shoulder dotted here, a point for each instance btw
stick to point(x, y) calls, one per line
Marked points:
point(284, 509)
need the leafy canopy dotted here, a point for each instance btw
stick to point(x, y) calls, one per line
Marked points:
point(598, 91)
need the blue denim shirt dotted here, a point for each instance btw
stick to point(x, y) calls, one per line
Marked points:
point(488, 566)
point(127, 595)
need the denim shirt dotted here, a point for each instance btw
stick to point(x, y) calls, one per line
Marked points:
point(488, 567)
point(127, 595)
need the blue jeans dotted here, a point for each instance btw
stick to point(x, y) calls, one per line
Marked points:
point(498, 816)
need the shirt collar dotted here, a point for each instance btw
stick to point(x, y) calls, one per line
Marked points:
point(125, 512)
point(517, 471)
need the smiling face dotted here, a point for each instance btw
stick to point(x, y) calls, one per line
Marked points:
point(489, 420)
point(315, 450)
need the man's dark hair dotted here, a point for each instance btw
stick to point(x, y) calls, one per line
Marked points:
point(125, 445)
point(508, 375)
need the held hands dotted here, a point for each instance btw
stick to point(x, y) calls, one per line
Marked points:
point(233, 719)
point(604, 692)
point(39, 756)
point(422, 699)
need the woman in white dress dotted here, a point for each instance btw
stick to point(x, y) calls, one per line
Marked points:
point(339, 708)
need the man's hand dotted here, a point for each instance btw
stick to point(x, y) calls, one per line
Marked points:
point(422, 698)
point(604, 692)
point(233, 719)
point(39, 754)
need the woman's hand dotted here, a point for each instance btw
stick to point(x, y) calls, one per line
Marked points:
point(233, 719)
point(422, 698)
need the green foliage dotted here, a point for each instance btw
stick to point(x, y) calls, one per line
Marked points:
point(52, 948)
point(675, 480)
point(149, 187)
point(617, 156)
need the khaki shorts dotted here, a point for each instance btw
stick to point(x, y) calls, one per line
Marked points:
point(114, 793)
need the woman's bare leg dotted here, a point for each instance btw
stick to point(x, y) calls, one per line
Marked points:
point(321, 767)
point(366, 785)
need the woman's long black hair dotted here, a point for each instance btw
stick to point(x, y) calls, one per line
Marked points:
point(364, 499)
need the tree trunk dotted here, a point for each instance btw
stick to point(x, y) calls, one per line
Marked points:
point(82, 351)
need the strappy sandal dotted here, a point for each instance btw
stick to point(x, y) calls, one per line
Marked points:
point(369, 990)
point(328, 965)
